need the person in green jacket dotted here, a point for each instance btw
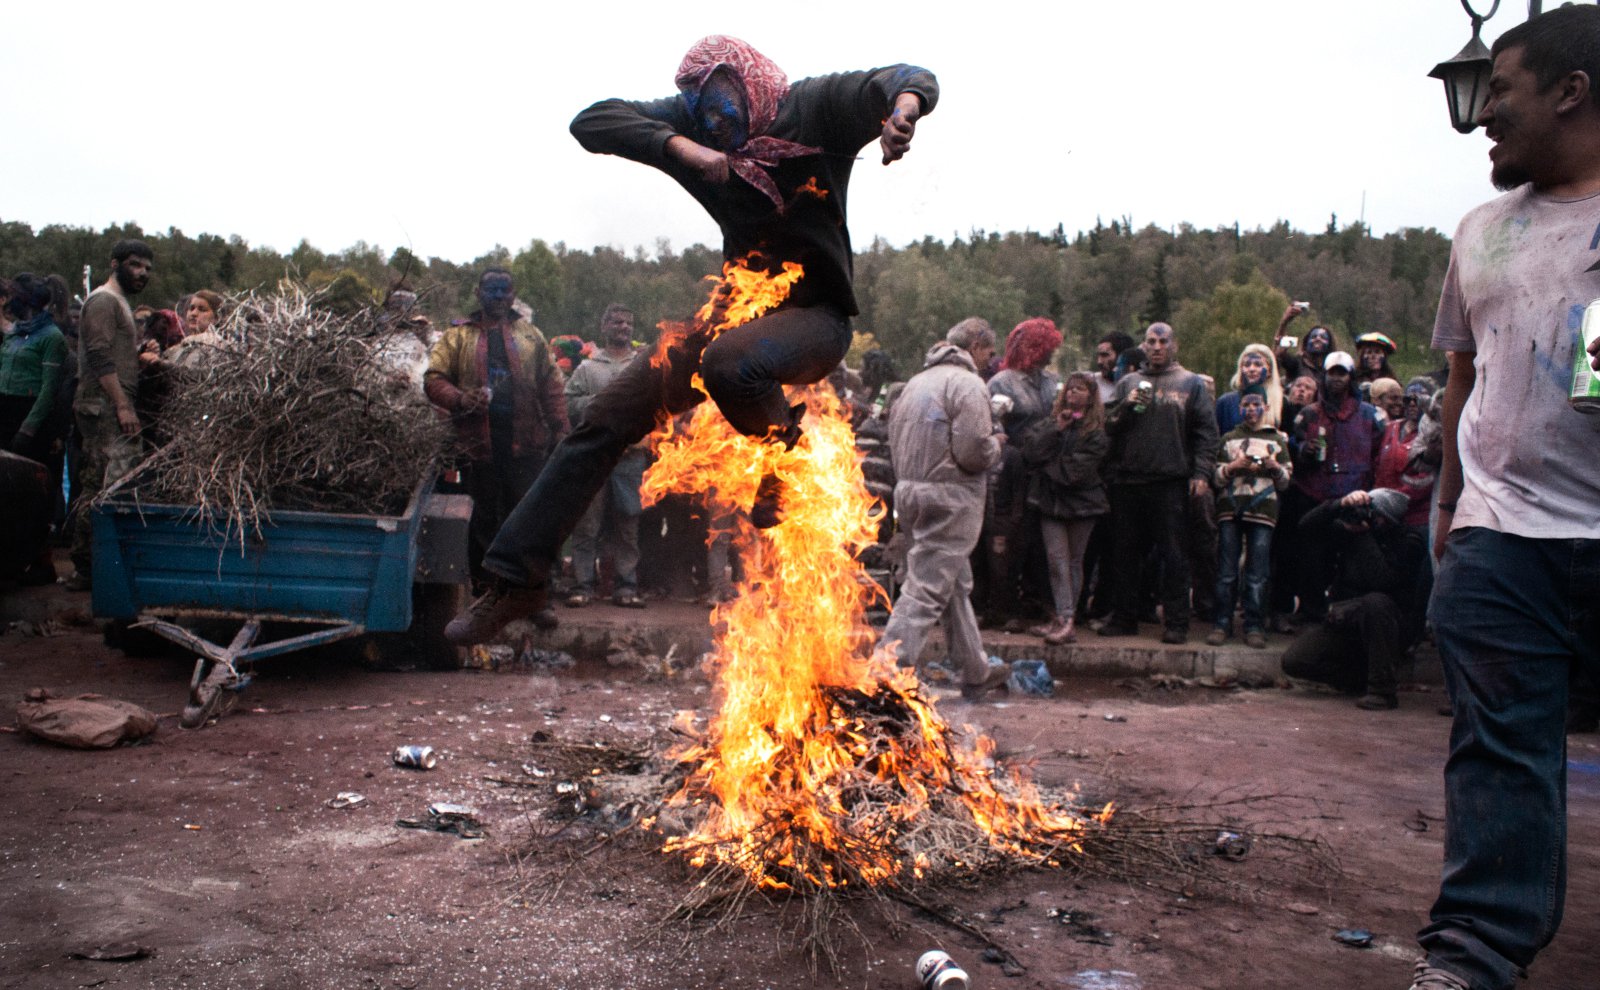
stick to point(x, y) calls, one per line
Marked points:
point(31, 361)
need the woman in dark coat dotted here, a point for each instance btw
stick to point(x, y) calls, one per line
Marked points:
point(1064, 454)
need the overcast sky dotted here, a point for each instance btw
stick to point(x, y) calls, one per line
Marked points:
point(443, 126)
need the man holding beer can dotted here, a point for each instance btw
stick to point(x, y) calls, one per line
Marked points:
point(1516, 605)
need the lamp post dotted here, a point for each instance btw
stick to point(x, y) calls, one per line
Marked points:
point(1466, 76)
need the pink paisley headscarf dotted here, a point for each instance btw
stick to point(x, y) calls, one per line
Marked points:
point(765, 86)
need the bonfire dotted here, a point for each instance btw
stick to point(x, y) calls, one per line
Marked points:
point(825, 768)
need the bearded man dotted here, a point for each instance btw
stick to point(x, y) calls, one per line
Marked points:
point(108, 359)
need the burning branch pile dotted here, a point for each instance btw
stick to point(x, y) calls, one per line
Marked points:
point(825, 770)
point(300, 408)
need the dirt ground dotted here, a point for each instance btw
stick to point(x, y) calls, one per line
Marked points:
point(215, 849)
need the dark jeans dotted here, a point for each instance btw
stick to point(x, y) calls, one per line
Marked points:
point(1096, 586)
point(496, 489)
point(1202, 532)
point(744, 370)
point(1142, 515)
point(1357, 649)
point(1512, 617)
point(612, 524)
point(1255, 541)
point(1287, 546)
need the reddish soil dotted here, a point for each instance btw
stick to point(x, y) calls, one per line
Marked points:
point(215, 850)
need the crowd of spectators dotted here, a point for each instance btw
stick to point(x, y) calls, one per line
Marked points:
point(1131, 496)
point(1124, 495)
point(83, 383)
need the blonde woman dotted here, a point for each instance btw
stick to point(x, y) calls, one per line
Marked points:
point(1257, 370)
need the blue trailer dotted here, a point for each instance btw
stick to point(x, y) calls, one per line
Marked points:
point(167, 568)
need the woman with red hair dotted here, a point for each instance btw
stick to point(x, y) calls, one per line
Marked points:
point(1023, 391)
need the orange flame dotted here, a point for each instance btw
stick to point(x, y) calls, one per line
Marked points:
point(780, 756)
point(811, 188)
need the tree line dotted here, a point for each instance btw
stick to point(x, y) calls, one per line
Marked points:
point(1221, 288)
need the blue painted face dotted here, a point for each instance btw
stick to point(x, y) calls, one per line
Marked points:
point(719, 109)
point(495, 293)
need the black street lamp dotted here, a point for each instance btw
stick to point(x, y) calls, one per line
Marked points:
point(1466, 77)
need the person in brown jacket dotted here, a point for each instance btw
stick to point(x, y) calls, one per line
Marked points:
point(495, 376)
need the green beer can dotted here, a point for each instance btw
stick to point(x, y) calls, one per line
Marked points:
point(1585, 383)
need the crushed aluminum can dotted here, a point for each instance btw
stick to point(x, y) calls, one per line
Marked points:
point(491, 657)
point(1231, 845)
point(415, 757)
point(345, 799)
point(937, 971)
point(439, 809)
point(1356, 938)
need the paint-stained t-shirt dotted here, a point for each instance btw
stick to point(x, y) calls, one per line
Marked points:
point(1522, 270)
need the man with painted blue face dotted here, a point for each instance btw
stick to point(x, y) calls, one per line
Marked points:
point(771, 163)
point(494, 374)
point(1516, 604)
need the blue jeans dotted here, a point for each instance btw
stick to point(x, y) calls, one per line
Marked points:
point(1255, 539)
point(1512, 618)
point(612, 521)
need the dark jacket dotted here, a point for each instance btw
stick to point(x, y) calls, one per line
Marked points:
point(1064, 470)
point(1390, 560)
point(1174, 439)
point(1354, 438)
point(838, 113)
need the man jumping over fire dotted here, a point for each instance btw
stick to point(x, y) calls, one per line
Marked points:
point(770, 162)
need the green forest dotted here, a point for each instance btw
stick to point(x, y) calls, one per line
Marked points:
point(1220, 288)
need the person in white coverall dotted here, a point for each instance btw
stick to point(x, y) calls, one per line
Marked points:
point(943, 441)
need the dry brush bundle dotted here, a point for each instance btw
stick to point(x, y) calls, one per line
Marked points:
point(298, 409)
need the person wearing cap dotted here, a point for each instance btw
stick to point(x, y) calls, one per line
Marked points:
point(1377, 608)
point(1372, 358)
point(1335, 443)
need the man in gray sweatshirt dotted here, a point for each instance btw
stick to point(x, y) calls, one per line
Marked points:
point(1163, 428)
